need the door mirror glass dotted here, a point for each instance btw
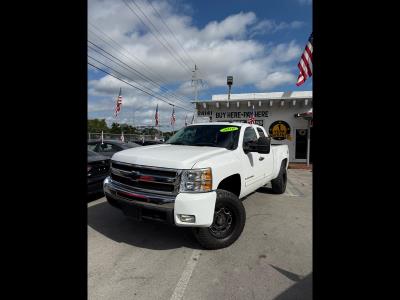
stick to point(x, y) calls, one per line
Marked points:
point(263, 145)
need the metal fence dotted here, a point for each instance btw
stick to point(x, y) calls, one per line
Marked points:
point(127, 137)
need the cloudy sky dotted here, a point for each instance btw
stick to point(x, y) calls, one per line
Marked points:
point(153, 45)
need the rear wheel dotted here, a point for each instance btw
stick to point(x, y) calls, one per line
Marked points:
point(279, 183)
point(228, 224)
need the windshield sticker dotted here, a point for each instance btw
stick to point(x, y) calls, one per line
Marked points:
point(229, 129)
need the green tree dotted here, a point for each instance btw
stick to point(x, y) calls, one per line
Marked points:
point(97, 125)
point(115, 128)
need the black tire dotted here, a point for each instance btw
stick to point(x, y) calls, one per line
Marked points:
point(228, 224)
point(279, 183)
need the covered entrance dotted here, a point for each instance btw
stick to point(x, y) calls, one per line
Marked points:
point(303, 137)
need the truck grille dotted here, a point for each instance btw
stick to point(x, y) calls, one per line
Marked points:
point(148, 179)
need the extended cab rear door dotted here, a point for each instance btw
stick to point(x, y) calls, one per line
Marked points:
point(267, 160)
point(253, 165)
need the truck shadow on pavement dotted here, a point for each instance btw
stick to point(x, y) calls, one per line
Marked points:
point(94, 196)
point(302, 289)
point(113, 224)
point(265, 190)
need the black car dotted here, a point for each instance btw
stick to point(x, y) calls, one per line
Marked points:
point(109, 147)
point(98, 168)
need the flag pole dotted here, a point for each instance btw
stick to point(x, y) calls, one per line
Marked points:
point(308, 142)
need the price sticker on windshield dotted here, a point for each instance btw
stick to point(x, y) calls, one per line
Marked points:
point(229, 129)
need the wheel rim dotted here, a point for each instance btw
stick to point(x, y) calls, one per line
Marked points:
point(223, 222)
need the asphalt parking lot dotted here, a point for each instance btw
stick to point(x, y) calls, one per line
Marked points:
point(272, 259)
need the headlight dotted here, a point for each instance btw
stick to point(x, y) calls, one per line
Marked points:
point(196, 180)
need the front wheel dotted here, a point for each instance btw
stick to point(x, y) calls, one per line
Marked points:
point(228, 223)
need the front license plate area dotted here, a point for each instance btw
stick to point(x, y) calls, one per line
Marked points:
point(133, 212)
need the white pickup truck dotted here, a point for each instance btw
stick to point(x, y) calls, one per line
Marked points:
point(197, 178)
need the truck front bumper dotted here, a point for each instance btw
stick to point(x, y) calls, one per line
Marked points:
point(166, 209)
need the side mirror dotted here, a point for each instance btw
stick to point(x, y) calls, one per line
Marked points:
point(263, 145)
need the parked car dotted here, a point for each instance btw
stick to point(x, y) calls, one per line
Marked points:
point(198, 178)
point(146, 143)
point(98, 168)
point(109, 147)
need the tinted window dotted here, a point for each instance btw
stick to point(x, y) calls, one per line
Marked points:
point(249, 135)
point(109, 148)
point(91, 153)
point(261, 132)
point(92, 147)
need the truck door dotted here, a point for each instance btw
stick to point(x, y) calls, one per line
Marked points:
point(253, 166)
point(266, 159)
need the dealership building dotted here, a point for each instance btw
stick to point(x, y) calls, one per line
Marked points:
point(286, 116)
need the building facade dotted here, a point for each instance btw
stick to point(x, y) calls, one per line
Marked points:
point(276, 112)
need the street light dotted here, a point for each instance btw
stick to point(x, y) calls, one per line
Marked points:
point(229, 82)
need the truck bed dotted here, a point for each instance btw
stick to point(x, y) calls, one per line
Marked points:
point(279, 152)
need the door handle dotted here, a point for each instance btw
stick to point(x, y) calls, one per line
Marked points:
point(261, 158)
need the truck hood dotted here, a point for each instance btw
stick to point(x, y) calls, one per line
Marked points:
point(167, 156)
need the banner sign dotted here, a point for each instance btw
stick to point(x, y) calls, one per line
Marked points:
point(240, 114)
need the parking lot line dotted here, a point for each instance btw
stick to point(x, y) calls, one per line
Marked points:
point(291, 189)
point(185, 277)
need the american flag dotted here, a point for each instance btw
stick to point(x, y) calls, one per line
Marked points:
point(252, 118)
point(119, 103)
point(173, 117)
point(156, 116)
point(305, 64)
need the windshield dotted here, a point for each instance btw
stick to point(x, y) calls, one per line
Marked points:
point(224, 136)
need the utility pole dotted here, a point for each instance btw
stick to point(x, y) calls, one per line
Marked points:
point(195, 82)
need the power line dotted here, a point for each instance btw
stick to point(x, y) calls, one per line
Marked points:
point(160, 80)
point(116, 77)
point(151, 31)
point(155, 27)
point(173, 35)
point(130, 54)
point(127, 76)
point(142, 76)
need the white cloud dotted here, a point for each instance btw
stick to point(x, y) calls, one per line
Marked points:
point(271, 26)
point(220, 48)
point(276, 78)
point(232, 27)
